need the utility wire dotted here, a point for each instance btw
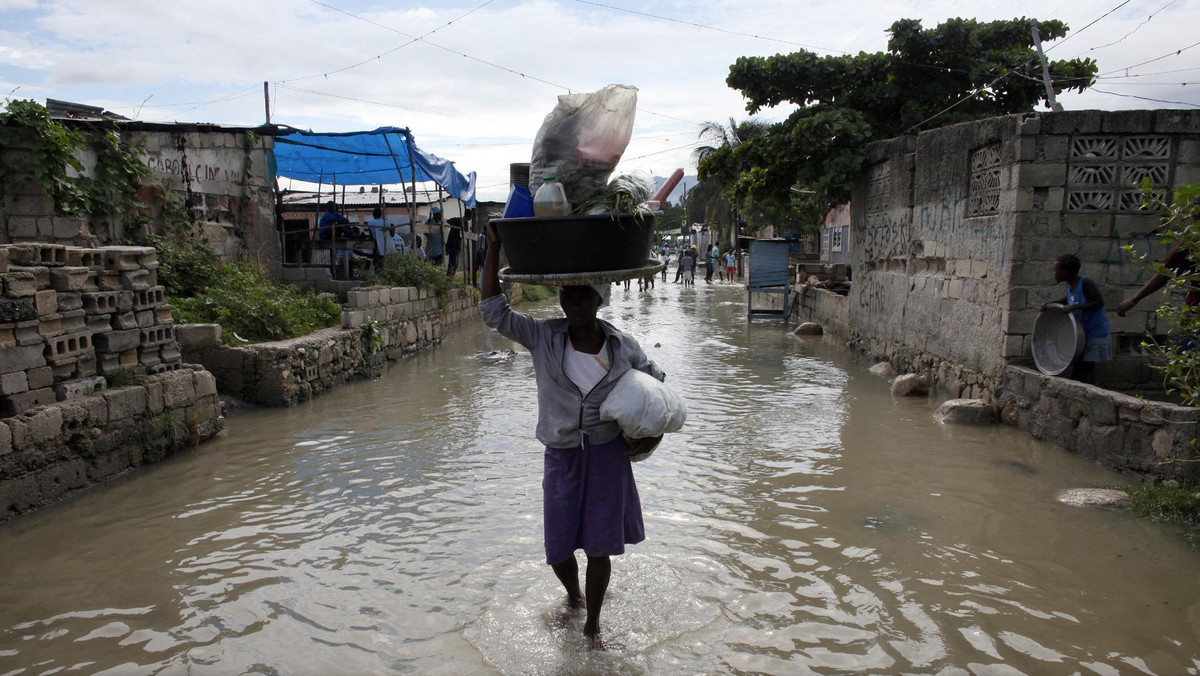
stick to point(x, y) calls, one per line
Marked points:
point(1160, 58)
point(1143, 98)
point(711, 28)
point(1093, 23)
point(412, 38)
point(1135, 29)
point(374, 103)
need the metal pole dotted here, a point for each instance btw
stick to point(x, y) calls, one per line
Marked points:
point(267, 101)
point(1037, 42)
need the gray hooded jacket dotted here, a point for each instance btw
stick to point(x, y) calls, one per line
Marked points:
point(565, 413)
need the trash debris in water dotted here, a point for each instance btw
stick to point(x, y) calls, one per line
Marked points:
point(499, 356)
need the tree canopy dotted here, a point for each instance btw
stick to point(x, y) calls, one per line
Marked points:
point(959, 71)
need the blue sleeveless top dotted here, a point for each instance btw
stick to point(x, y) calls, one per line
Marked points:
point(1095, 322)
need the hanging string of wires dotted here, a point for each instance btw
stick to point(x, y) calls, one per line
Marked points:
point(1135, 29)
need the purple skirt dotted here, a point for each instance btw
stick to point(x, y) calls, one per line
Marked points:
point(590, 501)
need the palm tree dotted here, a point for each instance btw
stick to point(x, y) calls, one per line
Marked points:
point(714, 189)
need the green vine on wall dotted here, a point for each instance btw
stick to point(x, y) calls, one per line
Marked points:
point(47, 152)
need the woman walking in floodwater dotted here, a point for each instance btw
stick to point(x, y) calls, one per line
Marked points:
point(589, 499)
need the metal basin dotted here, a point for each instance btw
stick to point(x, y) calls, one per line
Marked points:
point(575, 244)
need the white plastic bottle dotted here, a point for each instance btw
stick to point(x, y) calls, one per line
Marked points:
point(551, 199)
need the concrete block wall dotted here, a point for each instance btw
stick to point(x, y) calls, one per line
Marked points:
point(1075, 194)
point(222, 176)
point(1116, 430)
point(48, 452)
point(380, 324)
point(72, 317)
point(955, 233)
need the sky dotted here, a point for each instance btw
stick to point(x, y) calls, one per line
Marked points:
point(474, 79)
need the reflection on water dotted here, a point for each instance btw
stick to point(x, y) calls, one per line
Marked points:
point(804, 521)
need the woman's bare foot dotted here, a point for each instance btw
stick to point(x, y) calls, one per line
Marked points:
point(575, 603)
point(592, 634)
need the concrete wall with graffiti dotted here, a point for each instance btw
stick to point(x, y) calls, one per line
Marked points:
point(224, 179)
point(955, 233)
point(218, 178)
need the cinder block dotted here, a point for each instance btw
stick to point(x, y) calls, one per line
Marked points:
point(98, 323)
point(19, 403)
point(358, 298)
point(73, 321)
point(99, 302)
point(86, 366)
point(22, 227)
point(162, 315)
point(124, 321)
point(13, 383)
point(1176, 122)
point(199, 336)
point(69, 301)
point(78, 388)
point(69, 346)
point(125, 258)
point(35, 255)
point(113, 342)
point(1042, 174)
point(157, 335)
point(3, 259)
point(85, 258)
point(50, 326)
point(352, 319)
point(149, 356)
point(40, 377)
point(136, 280)
point(108, 280)
point(147, 299)
point(19, 284)
point(169, 352)
point(145, 318)
point(67, 227)
point(69, 278)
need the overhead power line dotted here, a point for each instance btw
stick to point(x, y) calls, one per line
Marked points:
point(1093, 23)
point(1144, 98)
point(1135, 28)
point(1177, 52)
point(706, 27)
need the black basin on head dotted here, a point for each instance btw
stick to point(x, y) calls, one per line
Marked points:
point(571, 244)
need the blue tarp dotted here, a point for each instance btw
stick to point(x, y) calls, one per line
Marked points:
point(381, 157)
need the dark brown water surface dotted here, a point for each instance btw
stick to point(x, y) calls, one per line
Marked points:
point(804, 521)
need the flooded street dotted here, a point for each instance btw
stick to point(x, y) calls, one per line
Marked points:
point(803, 521)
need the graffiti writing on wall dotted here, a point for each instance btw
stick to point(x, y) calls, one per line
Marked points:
point(195, 166)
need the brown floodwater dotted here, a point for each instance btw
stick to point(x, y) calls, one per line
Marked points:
point(803, 522)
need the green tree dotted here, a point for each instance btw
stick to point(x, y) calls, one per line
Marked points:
point(961, 70)
point(1176, 357)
